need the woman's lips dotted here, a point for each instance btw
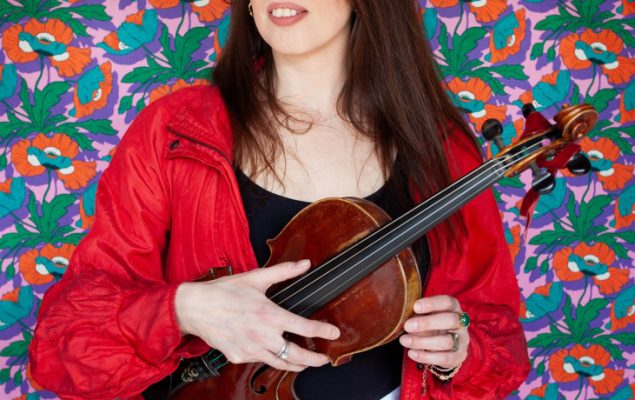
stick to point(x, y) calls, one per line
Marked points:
point(285, 14)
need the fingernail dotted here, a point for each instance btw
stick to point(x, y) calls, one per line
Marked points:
point(335, 333)
point(411, 326)
point(405, 341)
point(304, 263)
point(418, 307)
point(413, 354)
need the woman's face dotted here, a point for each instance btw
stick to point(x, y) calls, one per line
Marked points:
point(300, 27)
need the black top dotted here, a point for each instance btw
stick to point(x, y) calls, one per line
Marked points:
point(369, 375)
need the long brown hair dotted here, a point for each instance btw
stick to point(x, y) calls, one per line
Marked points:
point(393, 92)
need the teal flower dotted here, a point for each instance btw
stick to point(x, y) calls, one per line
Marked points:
point(92, 90)
point(138, 30)
point(12, 194)
point(15, 305)
point(8, 80)
point(552, 90)
point(623, 309)
point(545, 300)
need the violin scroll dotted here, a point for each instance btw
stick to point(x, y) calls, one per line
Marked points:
point(575, 122)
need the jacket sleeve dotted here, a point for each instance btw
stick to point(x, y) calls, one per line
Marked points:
point(108, 328)
point(479, 272)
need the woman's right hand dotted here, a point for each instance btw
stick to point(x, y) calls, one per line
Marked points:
point(233, 315)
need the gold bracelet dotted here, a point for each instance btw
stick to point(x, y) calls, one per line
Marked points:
point(444, 374)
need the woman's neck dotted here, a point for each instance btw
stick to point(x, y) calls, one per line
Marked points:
point(313, 81)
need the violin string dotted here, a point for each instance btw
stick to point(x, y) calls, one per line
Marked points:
point(493, 167)
point(309, 275)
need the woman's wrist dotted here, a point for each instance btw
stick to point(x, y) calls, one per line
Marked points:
point(182, 307)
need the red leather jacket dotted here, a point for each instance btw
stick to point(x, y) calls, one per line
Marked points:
point(168, 209)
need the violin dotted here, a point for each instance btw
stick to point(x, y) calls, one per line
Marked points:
point(365, 264)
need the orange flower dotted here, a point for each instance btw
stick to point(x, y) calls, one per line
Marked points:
point(513, 42)
point(444, 3)
point(628, 7)
point(99, 96)
point(209, 10)
point(514, 247)
point(601, 48)
point(623, 221)
point(55, 153)
point(11, 296)
point(603, 153)
point(612, 281)
point(590, 363)
point(39, 268)
point(164, 3)
point(557, 367)
point(626, 116)
point(13, 45)
point(49, 39)
point(470, 96)
point(487, 10)
point(621, 323)
point(566, 271)
point(163, 90)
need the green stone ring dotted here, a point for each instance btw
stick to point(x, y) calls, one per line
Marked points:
point(464, 320)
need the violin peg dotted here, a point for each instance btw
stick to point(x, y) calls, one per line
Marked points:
point(579, 164)
point(492, 130)
point(528, 108)
point(544, 182)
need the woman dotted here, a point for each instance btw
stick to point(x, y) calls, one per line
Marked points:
point(314, 99)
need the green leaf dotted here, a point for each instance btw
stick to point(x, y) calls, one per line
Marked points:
point(443, 43)
point(610, 240)
point(54, 210)
point(551, 53)
point(601, 99)
point(8, 127)
point(558, 235)
point(186, 45)
point(537, 50)
point(514, 182)
point(464, 43)
point(575, 97)
point(588, 313)
point(3, 160)
point(15, 349)
point(73, 238)
point(485, 75)
point(541, 368)
point(32, 207)
point(17, 378)
point(544, 266)
point(626, 338)
point(544, 340)
point(589, 211)
point(140, 104)
point(125, 104)
point(97, 126)
point(531, 264)
point(44, 100)
point(167, 48)
point(5, 374)
point(10, 272)
point(26, 101)
point(614, 134)
point(93, 12)
point(27, 336)
point(552, 23)
point(566, 312)
point(510, 71)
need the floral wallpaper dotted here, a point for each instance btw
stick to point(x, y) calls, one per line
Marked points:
point(74, 74)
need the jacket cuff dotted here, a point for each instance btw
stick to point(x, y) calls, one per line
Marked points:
point(147, 319)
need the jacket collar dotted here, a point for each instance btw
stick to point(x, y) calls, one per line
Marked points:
point(201, 116)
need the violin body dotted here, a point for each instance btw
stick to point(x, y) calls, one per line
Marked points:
point(370, 313)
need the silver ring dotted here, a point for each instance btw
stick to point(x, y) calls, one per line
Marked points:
point(284, 351)
point(455, 341)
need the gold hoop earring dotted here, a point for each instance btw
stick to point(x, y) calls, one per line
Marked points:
point(251, 9)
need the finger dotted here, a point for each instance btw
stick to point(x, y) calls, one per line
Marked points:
point(265, 277)
point(300, 356)
point(428, 343)
point(444, 359)
point(307, 327)
point(276, 362)
point(438, 321)
point(437, 304)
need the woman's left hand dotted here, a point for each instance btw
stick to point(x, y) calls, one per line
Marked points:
point(428, 334)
